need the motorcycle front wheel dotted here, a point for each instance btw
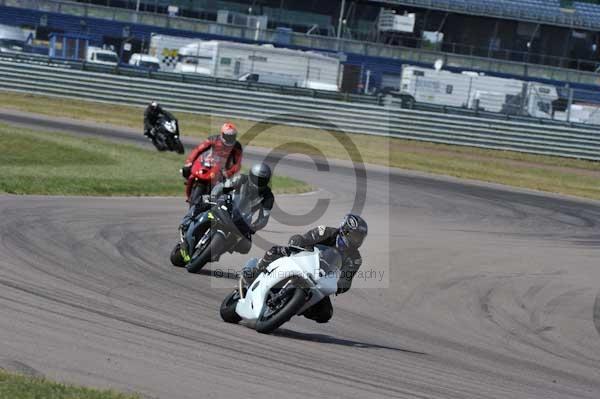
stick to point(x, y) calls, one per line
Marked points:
point(273, 318)
point(212, 250)
point(159, 144)
point(179, 147)
point(176, 258)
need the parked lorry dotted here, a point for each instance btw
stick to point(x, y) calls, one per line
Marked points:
point(262, 63)
point(477, 91)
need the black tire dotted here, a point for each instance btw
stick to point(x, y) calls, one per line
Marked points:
point(198, 190)
point(285, 314)
point(176, 258)
point(159, 145)
point(213, 249)
point(228, 313)
point(179, 147)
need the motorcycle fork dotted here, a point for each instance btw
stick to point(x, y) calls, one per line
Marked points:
point(275, 298)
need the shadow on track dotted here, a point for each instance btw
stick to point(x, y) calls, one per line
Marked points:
point(218, 273)
point(328, 339)
point(597, 313)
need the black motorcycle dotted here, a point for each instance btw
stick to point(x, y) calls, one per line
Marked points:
point(166, 136)
point(213, 232)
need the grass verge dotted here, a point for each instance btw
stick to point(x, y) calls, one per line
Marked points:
point(552, 174)
point(13, 386)
point(35, 162)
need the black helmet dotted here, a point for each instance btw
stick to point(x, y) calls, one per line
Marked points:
point(260, 175)
point(352, 232)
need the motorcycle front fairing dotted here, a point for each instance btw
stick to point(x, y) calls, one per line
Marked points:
point(210, 217)
point(219, 222)
point(207, 167)
point(172, 127)
point(304, 265)
point(301, 265)
point(194, 226)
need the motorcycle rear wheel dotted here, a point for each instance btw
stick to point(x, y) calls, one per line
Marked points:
point(227, 310)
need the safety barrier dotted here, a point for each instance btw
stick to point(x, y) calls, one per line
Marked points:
point(390, 120)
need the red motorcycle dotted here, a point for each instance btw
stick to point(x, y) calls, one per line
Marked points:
point(205, 173)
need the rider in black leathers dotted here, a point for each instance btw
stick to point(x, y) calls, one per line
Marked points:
point(252, 197)
point(347, 239)
point(153, 113)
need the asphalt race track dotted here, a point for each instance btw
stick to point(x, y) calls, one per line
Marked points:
point(485, 292)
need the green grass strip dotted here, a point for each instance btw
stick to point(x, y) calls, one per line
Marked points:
point(13, 386)
point(34, 162)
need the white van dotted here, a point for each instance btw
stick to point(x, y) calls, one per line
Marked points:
point(12, 38)
point(145, 61)
point(102, 56)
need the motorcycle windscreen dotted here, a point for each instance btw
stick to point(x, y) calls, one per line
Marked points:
point(330, 259)
point(330, 264)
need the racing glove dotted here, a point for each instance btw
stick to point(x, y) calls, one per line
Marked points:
point(186, 171)
point(206, 198)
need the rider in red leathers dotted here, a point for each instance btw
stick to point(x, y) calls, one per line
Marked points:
point(223, 147)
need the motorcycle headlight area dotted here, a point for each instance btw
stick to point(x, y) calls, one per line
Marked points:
point(170, 126)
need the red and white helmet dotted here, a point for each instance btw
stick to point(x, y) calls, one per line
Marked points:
point(228, 134)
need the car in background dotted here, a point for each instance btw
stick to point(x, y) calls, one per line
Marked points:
point(97, 55)
point(145, 61)
point(12, 38)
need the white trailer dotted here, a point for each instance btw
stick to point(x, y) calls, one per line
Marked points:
point(458, 89)
point(262, 63)
point(166, 49)
point(477, 91)
point(581, 113)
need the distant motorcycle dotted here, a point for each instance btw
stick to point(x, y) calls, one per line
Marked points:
point(289, 286)
point(212, 233)
point(166, 136)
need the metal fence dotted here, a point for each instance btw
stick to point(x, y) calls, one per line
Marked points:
point(125, 70)
point(548, 139)
point(408, 54)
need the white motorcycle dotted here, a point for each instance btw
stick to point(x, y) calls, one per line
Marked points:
point(289, 286)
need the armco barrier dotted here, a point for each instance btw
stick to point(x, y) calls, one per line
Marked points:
point(548, 139)
point(189, 78)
